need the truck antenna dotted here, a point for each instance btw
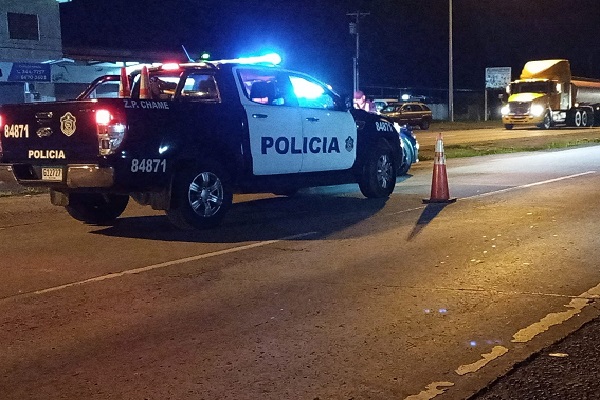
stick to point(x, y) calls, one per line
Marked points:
point(190, 59)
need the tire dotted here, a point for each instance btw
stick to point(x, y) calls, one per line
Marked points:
point(547, 123)
point(406, 164)
point(378, 177)
point(425, 124)
point(587, 118)
point(201, 197)
point(577, 118)
point(96, 208)
point(406, 161)
point(508, 126)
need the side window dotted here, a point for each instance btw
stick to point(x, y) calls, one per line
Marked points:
point(200, 87)
point(311, 94)
point(267, 87)
point(105, 89)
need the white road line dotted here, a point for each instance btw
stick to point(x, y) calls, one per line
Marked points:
point(528, 185)
point(160, 265)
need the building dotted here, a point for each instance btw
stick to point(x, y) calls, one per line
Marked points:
point(36, 66)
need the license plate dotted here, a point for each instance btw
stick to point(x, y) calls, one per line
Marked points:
point(51, 174)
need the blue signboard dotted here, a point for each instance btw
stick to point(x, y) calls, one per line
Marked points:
point(29, 72)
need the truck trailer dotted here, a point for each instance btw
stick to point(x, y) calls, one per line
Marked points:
point(547, 95)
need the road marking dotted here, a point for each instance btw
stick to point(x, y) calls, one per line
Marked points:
point(576, 306)
point(430, 391)
point(524, 335)
point(497, 351)
point(528, 185)
point(160, 265)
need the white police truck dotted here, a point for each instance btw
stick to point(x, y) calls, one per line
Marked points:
point(186, 137)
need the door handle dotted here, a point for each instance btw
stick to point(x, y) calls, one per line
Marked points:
point(259, 115)
point(312, 119)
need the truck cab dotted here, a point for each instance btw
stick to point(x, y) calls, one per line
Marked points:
point(548, 95)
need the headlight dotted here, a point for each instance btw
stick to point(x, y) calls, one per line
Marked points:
point(537, 110)
point(505, 110)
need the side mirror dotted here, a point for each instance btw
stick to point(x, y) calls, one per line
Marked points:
point(348, 102)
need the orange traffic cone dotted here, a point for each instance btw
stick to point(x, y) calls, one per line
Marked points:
point(145, 84)
point(124, 90)
point(439, 182)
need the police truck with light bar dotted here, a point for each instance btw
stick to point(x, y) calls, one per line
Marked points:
point(185, 137)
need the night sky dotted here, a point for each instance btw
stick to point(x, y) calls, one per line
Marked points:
point(404, 43)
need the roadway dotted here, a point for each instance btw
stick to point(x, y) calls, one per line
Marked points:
point(323, 296)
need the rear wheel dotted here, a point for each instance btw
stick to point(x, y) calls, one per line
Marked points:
point(378, 177)
point(201, 196)
point(577, 118)
point(96, 208)
point(587, 118)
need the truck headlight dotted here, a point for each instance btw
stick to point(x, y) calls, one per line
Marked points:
point(536, 110)
point(505, 110)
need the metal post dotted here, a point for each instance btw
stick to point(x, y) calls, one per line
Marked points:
point(450, 71)
point(355, 30)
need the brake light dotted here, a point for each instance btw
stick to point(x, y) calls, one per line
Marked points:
point(170, 67)
point(111, 129)
point(103, 117)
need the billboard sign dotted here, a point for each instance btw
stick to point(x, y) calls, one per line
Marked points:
point(497, 77)
point(29, 72)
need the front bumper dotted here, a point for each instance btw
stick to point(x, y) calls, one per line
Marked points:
point(73, 176)
point(522, 119)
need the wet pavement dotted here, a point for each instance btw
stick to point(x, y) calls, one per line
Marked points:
point(567, 370)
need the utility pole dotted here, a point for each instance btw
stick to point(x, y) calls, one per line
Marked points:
point(450, 70)
point(354, 30)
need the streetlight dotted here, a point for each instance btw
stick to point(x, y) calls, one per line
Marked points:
point(450, 72)
point(354, 30)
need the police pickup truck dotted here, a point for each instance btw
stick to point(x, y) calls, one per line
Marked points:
point(184, 137)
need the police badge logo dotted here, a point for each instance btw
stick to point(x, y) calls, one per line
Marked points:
point(349, 144)
point(67, 124)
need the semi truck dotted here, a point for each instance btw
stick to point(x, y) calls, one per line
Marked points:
point(547, 95)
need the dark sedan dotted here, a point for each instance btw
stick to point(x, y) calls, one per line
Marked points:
point(414, 114)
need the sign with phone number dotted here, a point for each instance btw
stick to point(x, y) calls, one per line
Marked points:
point(29, 72)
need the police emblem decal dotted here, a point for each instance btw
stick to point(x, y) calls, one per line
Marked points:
point(67, 124)
point(349, 143)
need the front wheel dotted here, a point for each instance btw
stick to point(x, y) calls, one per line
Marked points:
point(508, 126)
point(378, 176)
point(547, 122)
point(96, 208)
point(425, 124)
point(201, 196)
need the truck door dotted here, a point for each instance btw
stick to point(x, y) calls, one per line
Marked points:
point(274, 124)
point(329, 135)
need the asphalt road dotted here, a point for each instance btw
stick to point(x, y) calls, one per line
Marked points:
point(324, 296)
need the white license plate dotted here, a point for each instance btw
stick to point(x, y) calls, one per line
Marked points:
point(51, 174)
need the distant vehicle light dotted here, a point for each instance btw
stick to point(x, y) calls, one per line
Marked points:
point(505, 110)
point(405, 97)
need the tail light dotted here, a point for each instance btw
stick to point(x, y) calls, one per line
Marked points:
point(111, 129)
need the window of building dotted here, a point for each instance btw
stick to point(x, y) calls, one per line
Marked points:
point(23, 26)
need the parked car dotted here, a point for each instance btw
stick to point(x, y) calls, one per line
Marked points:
point(410, 146)
point(414, 114)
